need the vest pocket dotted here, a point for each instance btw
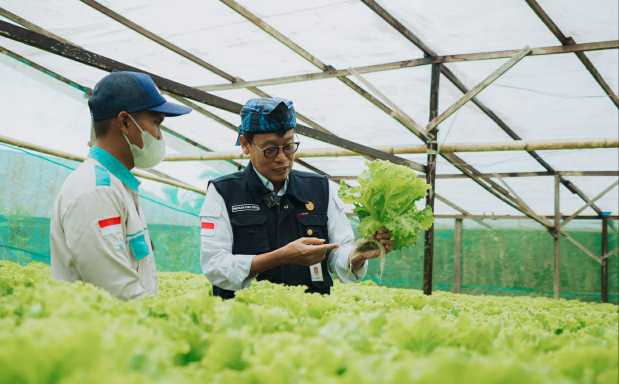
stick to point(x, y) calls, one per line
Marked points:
point(250, 234)
point(313, 225)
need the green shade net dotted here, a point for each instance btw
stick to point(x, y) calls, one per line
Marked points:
point(507, 260)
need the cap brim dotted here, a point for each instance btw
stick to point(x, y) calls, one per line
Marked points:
point(171, 109)
point(238, 140)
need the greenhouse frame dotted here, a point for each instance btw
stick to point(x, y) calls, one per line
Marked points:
point(565, 68)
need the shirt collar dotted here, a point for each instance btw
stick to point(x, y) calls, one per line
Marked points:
point(115, 167)
point(268, 185)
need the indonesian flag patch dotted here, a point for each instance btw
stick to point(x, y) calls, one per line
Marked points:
point(207, 228)
point(109, 225)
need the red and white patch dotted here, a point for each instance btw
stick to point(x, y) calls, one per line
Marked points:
point(110, 225)
point(207, 228)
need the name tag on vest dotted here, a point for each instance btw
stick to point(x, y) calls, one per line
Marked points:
point(316, 272)
point(245, 208)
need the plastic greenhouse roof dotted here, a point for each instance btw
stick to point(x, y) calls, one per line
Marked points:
point(541, 98)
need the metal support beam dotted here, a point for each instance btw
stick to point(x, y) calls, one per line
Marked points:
point(415, 40)
point(521, 202)
point(191, 104)
point(478, 88)
point(312, 76)
point(557, 231)
point(490, 186)
point(408, 123)
point(611, 253)
point(595, 173)
point(526, 208)
point(26, 24)
point(590, 202)
point(463, 212)
point(457, 256)
point(580, 246)
point(513, 217)
point(97, 61)
point(70, 156)
point(166, 44)
point(445, 176)
point(428, 254)
point(128, 23)
point(16, 56)
point(423, 149)
point(229, 125)
point(157, 39)
point(557, 241)
point(94, 60)
point(88, 91)
point(604, 267)
point(188, 55)
point(565, 40)
point(396, 111)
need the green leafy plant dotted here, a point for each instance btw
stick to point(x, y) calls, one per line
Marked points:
point(387, 197)
point(58, 332)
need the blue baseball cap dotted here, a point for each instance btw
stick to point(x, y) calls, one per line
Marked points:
point(267, 115)
point(130, 92)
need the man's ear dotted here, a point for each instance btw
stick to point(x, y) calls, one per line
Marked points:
point(244, 145)
point(123, 121)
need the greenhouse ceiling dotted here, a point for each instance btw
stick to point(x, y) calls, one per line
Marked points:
point(360, 74)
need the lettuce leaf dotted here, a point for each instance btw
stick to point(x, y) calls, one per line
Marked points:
point(387, 197)
point(59, 332)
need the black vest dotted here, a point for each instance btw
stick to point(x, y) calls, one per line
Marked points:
point(260, 224)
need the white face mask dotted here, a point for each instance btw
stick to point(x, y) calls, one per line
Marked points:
point(152, 153)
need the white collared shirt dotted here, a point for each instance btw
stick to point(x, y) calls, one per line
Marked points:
point(98, 232)
point(267, 183)
point(230, 271)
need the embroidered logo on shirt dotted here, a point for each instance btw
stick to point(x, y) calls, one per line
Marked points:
point(245, 208)
point(109, 225)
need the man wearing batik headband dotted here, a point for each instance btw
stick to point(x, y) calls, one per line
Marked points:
point(271, 222)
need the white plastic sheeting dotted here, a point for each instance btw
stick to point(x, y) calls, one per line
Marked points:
point(543, 97)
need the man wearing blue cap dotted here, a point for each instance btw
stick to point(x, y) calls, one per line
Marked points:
point(274, 223)
point(98, 230)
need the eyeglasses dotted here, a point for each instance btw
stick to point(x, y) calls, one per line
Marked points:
point(272, 151)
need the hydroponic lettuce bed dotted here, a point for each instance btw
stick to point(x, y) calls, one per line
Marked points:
point(53, 332)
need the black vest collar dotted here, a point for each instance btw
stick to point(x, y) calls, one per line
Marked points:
point(254, 184)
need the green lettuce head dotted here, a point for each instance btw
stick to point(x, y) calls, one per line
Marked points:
point(386, 197)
